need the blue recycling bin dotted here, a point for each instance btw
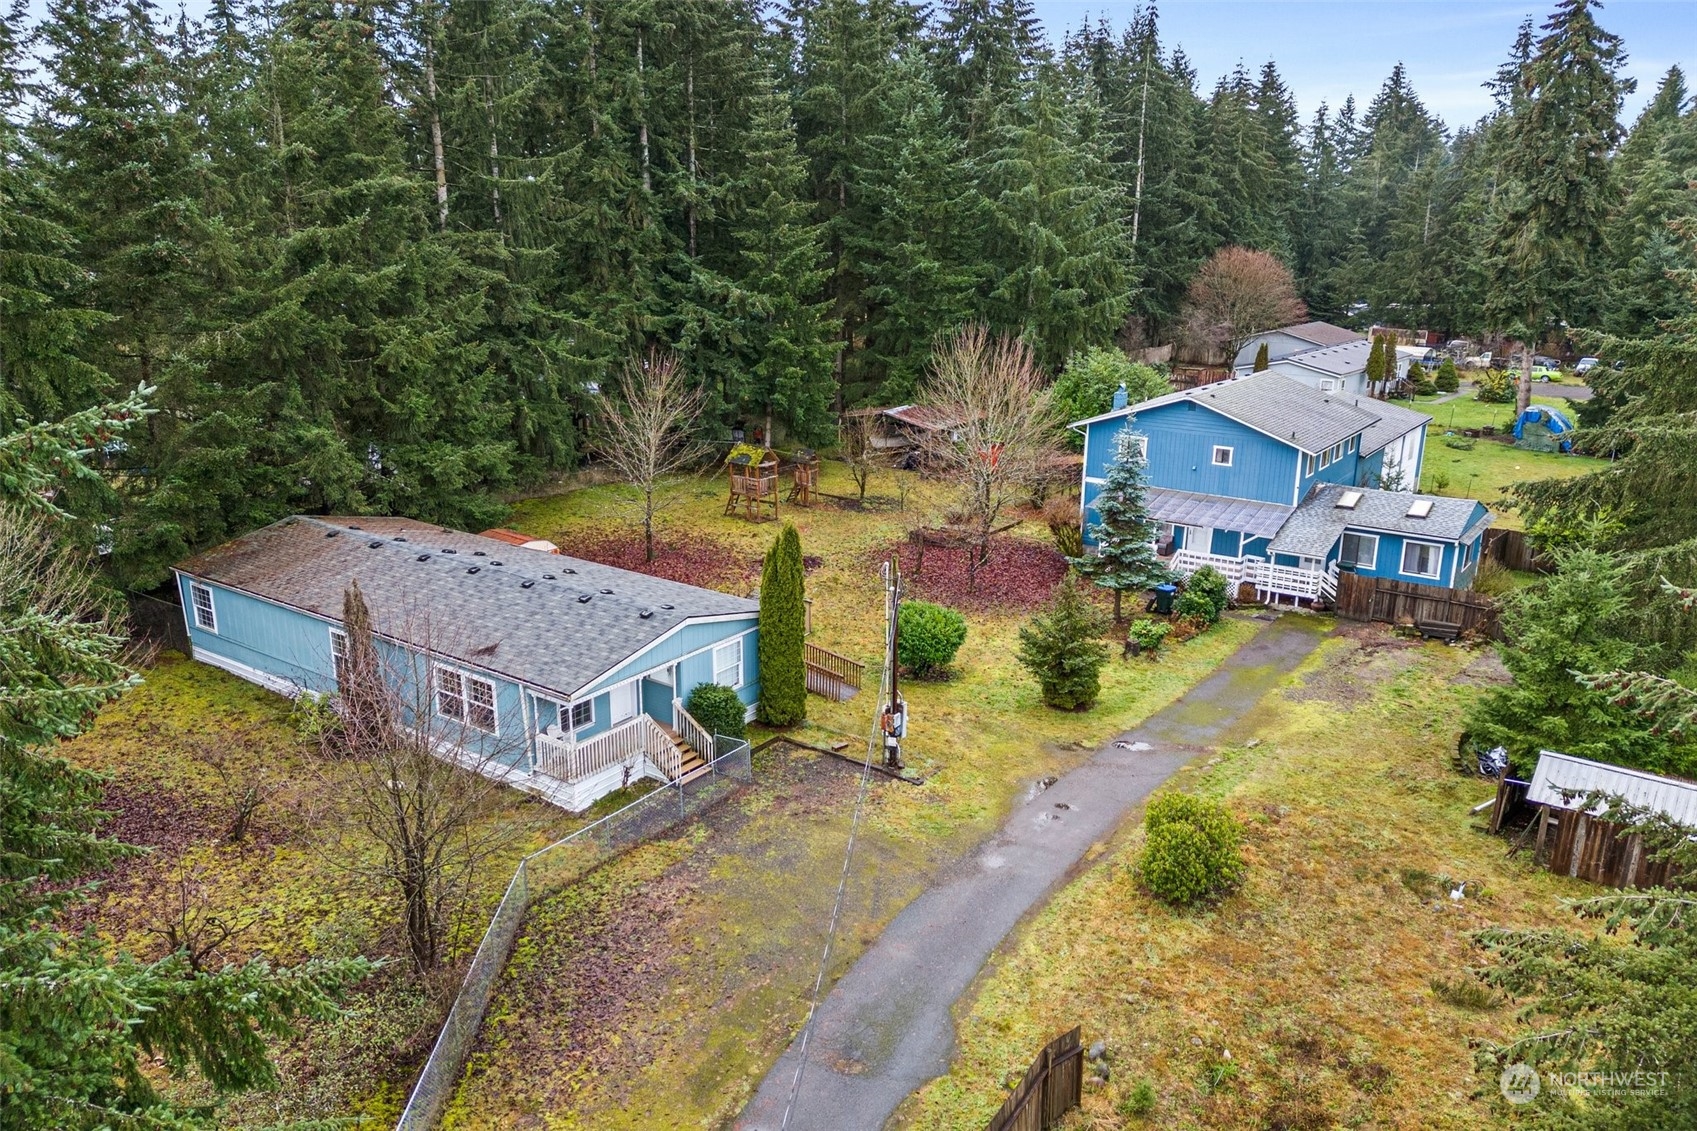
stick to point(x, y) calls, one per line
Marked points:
point(1164, 595)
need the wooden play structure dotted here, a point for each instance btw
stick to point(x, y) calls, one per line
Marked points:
point(754, 485)
point(804, 482)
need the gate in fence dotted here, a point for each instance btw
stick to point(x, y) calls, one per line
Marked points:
point(1053, 1085)
point(542, 873)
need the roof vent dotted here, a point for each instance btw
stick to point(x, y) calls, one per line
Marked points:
point(331, 533)
point(473, 569)
point(372, 545)
point(424, 557)
point(1347, 500)
point(607, 591)
point(585, 599)
point(497, 563)
point(646, 613)
point(351, 526)
point(1420, 508)
point(665, 606)
point(549, 577)
point(480, 553)
point(571, 571)
point(526, 583)
point(449, 550)
point(400, 538)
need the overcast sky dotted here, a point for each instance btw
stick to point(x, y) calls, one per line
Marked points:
point(1329, 49)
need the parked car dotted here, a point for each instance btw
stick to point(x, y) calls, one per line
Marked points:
point(1586, 364)
point(1478, 361)
point(1546, 362)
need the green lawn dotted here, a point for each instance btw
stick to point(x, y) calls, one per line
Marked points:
point(1306, 999)
point(1485, 471)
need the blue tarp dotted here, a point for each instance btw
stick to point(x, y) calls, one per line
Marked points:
point(1550, 419)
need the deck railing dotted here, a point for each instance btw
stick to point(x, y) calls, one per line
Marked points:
point(661, 750)
point(692, 731)
point(831, 674)
point(1285, 581)
point(1188, 562)
point(565, 759)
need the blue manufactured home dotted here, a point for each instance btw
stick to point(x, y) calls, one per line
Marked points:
point(563, 676)
point(1250, 474)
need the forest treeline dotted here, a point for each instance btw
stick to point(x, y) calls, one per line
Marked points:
point(380, 256)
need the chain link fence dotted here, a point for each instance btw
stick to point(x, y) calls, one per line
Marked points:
point(541, 873)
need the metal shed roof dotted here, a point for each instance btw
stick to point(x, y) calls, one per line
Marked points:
point(554, 622)
point(1558, 774)
point(1188, 508)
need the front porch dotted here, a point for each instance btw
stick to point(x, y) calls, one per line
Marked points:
point(581, 772)
point(1271, 582)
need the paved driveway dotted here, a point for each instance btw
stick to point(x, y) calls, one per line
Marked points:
point(886, 1027)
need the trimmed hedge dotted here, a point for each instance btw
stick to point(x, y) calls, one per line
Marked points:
point(718, 709)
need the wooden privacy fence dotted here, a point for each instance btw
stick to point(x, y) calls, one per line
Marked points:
point(1403, 602)
point(1511, 549)
point(1053, 1085)
point(832, 674)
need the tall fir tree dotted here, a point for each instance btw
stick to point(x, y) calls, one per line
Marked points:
point(783, 632)
point(1126, 532)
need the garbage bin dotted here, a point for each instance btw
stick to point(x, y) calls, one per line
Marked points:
point(1164, 598)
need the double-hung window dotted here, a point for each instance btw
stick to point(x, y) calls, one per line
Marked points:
point(1422, 559)
point(339, 655)
point(465, 699)
point(1361, 549)
point(727, 663)
point(1308, 465)
point(205, 616)
point(1326, 458)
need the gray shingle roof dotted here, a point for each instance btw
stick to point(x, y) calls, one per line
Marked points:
point(543, 633)
point(1394, 423)
point(1188, 508)
point(1321, 333)
point(1318, 523)
point(1285, 409)
point(1337, 361)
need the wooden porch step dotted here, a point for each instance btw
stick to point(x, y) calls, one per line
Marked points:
point(693, 764)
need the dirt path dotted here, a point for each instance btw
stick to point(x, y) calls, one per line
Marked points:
point(886, 1027)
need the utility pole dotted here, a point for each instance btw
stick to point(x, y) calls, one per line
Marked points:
point(893, 717)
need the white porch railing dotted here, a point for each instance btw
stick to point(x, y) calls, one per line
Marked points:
point(1269, 580)
point(1188, 562)
point(691, 731)
point(1286, 581)
point(624, 745)
point(1329, 583)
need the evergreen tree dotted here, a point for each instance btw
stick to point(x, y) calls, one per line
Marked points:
point(1261, 361)
point(1061, 648)
point(1126, 533)
point(1376, 364)
point(985, 51)
point(1087, 385)
point(783, 630)
point(79, 1021)
point(1447, 380)
point(788, 335)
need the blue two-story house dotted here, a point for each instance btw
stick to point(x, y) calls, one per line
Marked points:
point(562, 676)
point(1234, 465)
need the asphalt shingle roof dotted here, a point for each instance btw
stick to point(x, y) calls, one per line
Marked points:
point(1338, 361)
point(1319, 521)
point(1284, 409)
point(552, 621)
point(1394, 423)
point(1188, 508)
point(1321, 333)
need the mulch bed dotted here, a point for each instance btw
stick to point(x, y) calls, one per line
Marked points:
point(686, 557)
point(1019, 577)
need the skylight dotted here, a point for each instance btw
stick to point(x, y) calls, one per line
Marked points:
point(1420, 508)
point(1348, 499)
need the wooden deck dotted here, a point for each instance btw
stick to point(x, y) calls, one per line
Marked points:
point(831, 674)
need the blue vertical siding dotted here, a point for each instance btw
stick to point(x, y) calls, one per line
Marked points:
point(690, 638)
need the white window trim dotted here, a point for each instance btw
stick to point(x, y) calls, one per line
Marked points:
point(1437, 559)
point(571, 716)
point(1308, 462)
point(719, 665)
point(338, 652)
point(1227, 462)
point(196, 592)
point(1373, 538)
point(1325, 459)
point(464, 681)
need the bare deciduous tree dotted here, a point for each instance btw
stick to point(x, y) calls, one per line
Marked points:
point(414, 748)
point(250, 778)
point(643, 429)
point(1237, 294)
point(1000, 426)
point(857, 436)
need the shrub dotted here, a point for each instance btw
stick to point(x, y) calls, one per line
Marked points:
point(1140, 1100)
point(314, 716)
point(1193, 849)
point(1087, 384)
point(1447, 380)
point(1062, 516)
point(1494, 387)
point(1148, 633)
point(1493, 578)
point(1059, 647)
point(928, 637)
point(1421, 380)
point(1206, 594)
point(718, 709)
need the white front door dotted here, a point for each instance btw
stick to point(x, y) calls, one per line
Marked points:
point(624, 701)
